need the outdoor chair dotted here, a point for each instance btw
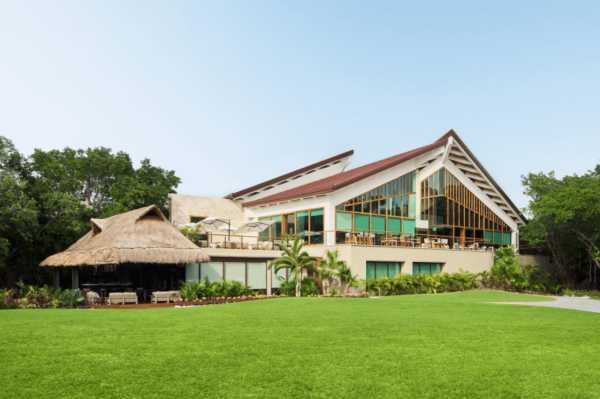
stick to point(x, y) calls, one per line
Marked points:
point(122, 298)
point(445, 244)
point(425, 243)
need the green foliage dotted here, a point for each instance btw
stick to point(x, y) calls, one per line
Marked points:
point(47, 200)
point(310, 287)
point(507, 273)
point(564, 215)
point(206, 289)
point(422, 283)
point(330, 267)
point(294, 259)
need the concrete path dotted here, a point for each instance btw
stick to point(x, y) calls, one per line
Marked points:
point(563, 302)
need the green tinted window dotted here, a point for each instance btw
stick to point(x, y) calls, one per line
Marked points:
point(343, 221)
point(394, 269)
point(381, 270)
point(413, 205)
point(395, 225)
point(506, 239)
point(409, 226)
point(361, 222)
point(379, 223)
point(370, 270)
point(497, 237)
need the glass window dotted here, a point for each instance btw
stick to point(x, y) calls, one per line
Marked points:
point(357, 207)
point(264, 235)
point(426, 268)
point(382, 207)
point(361, 222)
point(257, 275)
point(375, 206)
point(343, 221)
point(381, 269)
point(316, 225)
point(214, 270)
point(366, 207)
point(440, 210)
point(393, 269)
point(276, 227)
point(398, 206)
point(390, 206)
point(430, 185)
point(275, 282)
point(235, 271)
point(442, 182)
point(435, 183)
point(413, 205)
point(405, 206)
point(371, 270)
point(302, 225)
point(395, 225)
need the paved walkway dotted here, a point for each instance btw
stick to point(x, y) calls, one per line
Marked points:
point(563, 302)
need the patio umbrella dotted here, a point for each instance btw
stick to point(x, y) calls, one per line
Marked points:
point(213, 223)
point(255, 227)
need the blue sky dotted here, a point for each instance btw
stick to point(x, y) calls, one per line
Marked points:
point(229, 94)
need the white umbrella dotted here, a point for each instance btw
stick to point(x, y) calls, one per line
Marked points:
point(213, 223)
point(255, 227)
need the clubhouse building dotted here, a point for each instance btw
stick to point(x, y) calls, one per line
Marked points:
point(432, 209)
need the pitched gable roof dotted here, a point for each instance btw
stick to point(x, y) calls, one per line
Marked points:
point(341, 180)
point(289, 175)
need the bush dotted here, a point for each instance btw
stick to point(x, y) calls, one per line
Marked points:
point(207, 289)
point(422, 283)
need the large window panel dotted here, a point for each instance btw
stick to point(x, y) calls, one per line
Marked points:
point(362, 222)
point(394, 269)
point(235, 271)
point(343, 221)
point(409, 226)
point(257, 275)
point(395, 225)
point(371, 270)
point(212, 270)
point(441, 210)
point(381, 269)
point(302, 225)
point(275, 282)
point(413, 205)
point(316, 225)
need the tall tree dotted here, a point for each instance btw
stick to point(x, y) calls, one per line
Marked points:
point(565, 214)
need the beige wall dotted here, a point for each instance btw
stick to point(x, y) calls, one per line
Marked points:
point(357, 256)
point(541, 260)
point(184, 206)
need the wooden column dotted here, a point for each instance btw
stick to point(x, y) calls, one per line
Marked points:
point(75, 277)
point(56, 278)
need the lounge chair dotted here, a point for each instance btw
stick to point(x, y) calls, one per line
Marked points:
point(122, 298)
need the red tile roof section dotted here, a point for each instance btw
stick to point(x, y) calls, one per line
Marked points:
point(341, 180)
point(289, 175)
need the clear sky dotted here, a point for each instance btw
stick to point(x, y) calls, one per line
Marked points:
point(229, 94)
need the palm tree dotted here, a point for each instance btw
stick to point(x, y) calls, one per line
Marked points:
point(330, 267)
point(294, 259)
point(346, 278)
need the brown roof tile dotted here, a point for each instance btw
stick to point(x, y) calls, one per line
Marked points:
point(340, 180)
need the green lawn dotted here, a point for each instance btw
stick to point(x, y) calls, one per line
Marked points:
point(445, 345)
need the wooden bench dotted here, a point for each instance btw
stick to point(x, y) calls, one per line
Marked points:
point(122, 298)
point(165, 296)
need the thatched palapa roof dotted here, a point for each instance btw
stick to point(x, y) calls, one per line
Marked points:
point(140, 236)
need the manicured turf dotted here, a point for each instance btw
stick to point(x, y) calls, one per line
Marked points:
point(446, 345)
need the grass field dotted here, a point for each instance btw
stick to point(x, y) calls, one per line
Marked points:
point(445, 345)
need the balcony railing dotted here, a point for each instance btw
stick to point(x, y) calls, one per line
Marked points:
point(350, 237)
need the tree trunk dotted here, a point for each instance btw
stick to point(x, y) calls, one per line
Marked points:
point(344, 290)
point(298, 286)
